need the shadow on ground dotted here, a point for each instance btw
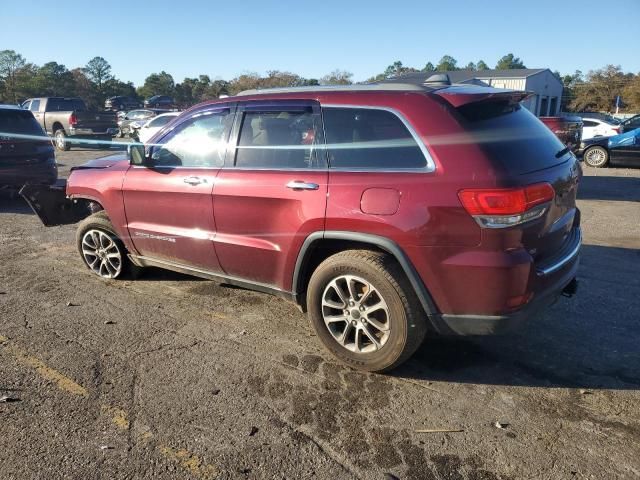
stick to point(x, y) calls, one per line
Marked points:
point(609, 188)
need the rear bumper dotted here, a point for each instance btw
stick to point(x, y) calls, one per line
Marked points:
point(90, 133)
point(555, 276)
point(14, 177)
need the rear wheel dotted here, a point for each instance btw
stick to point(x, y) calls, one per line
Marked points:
point(596, 157)
point(100, 248)
point(61, 141)
point(364, 311)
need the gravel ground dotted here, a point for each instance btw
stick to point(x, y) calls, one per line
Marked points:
point(173, 377)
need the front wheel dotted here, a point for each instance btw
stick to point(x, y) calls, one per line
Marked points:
point(100, 248)
point(596, 157)
point(363, 309)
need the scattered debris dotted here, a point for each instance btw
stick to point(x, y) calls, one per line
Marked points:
point(106, 447)
point(253, 431)
point(243, 332)
point(501, 425)
point(215, 391)
point(3, 293)
point(389, 476)
point(71, 304)
point(109, 322)
point(440, 430)
point(585, 392)
point(8, 399)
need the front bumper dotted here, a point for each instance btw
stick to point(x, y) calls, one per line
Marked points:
point(557, 276)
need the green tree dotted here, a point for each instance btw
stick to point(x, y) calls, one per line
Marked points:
point(10, 65)
point(481, 65)
point(337, 77)
point(631, 94)
point(599, 90)
point(53, 79)
point(98, 71)
point(470, 66)
point(509, 62)
point(429, 67)
point(447, 64)
point(157, 84)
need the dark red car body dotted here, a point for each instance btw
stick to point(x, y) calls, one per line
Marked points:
point(246, 226)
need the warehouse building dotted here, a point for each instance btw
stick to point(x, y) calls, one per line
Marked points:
point(547, 88)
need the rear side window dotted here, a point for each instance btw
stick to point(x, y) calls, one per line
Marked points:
point(587, 123)
point(280, 140)
point(65, 105)
point(20, 122)
point(35, 106)
point(512, 137)
point(366, 138)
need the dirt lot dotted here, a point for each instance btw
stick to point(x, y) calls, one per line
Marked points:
point(175, 377)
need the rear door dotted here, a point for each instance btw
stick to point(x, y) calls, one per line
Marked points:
point(169, 203)
point(627, 152)
point(272, 192)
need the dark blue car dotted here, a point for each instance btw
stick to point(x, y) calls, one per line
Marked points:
point(619, 150)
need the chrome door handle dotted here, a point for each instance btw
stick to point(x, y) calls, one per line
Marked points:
point(195, 180)
point(299, 185)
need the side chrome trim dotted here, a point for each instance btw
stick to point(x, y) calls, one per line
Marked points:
point(431, 164)
point(573, 253)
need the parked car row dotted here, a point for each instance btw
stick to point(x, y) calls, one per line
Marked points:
point(122, 103)
point(133, 123)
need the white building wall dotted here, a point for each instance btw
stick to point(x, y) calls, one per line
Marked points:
point(548, 90)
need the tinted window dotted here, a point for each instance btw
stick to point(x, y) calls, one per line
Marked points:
point(587, 123)
point(369, 138)
point(35, 106)
point(20, 122)
point(198, 142)
point(512, 137)
point(279, 139)
point(65, 105)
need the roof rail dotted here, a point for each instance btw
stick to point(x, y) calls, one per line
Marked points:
point(366, 87)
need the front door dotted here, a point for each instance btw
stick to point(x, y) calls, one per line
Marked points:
point(628, 152)
point(272, 192)
point(169, 202)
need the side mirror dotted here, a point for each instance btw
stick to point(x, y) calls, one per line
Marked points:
point(136, 154)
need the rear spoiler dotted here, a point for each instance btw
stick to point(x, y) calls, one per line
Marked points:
point(459, 96)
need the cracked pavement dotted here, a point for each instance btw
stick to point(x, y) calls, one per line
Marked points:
point(170, 376)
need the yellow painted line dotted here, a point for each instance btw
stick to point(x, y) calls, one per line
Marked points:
point(190, 462)
point(118, 416)
point(50, 374)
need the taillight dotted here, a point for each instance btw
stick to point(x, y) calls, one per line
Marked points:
point(499, 208)
point(73, 120)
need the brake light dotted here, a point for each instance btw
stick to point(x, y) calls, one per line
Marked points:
point(498, 208)
point(73, 120)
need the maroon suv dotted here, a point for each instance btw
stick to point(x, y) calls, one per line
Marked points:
point(384, 211)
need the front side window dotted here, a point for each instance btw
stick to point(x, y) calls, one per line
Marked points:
point(587, 123)
point(366, 138)
point(35, 106)
point(161, 121)
point(199, 142)
point(280, 140)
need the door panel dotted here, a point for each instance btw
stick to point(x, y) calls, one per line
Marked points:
point(272, 193)
point(169, 202)
point(169, 218)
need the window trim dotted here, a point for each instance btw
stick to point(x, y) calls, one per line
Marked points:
point(430, 166)
point(211, 110)
point(280, 105)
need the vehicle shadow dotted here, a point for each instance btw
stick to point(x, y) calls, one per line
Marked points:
point(588, 341)
point(12, 202)
point(609, 188)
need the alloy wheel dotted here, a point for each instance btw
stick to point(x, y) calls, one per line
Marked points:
point(101, 253)
point(596, 157)
point(356, 314)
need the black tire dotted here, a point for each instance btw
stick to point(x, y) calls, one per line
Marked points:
point(100, 222)
point(596, 156)
point(406, 320)
point(60, 140)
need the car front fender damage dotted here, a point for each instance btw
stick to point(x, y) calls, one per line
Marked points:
point(52, 205)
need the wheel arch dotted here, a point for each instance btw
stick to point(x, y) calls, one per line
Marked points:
point(320, 245)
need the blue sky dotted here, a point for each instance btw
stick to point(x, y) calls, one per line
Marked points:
point(225, 39)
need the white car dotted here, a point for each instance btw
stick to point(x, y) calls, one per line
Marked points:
point(150, 128)
point(594, 127)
